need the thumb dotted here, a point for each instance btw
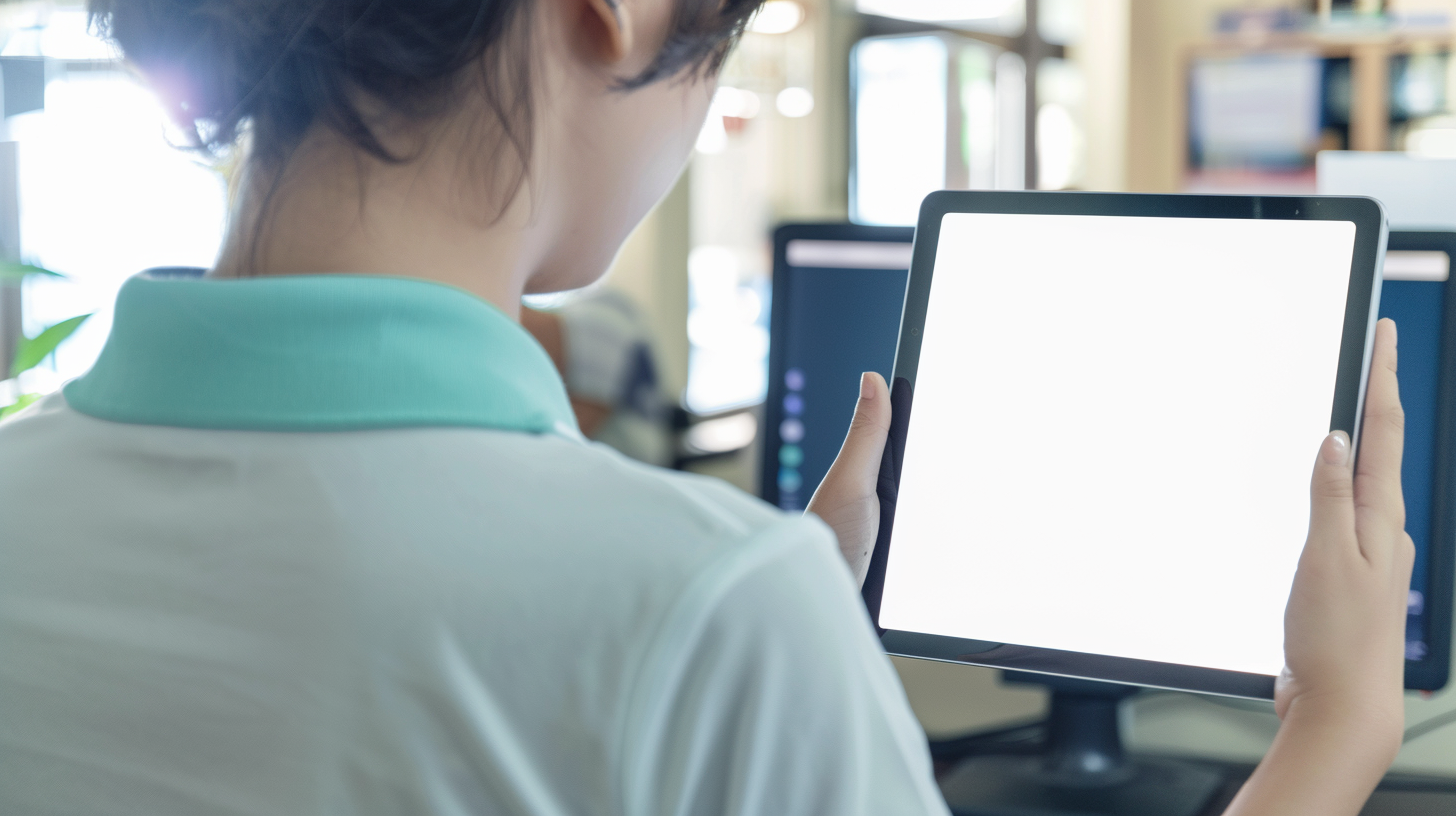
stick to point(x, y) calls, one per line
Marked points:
point(856, 470)
point(1331, 489)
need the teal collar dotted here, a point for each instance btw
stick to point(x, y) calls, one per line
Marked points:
point(319, 353)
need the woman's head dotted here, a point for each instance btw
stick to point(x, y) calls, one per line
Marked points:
point(585, 107)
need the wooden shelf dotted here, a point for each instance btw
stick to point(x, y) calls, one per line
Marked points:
point(1369, 51)
point(1333, 42)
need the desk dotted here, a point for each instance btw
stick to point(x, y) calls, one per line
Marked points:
point(1398, 794)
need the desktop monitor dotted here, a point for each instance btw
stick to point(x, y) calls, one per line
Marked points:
point(1417, 295)
point(838, 290)
point(1254, 111)
point(837, 294)
point(1415, 190)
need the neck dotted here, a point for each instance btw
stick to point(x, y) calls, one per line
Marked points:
point(331, 209)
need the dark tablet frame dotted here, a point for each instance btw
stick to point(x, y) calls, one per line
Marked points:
point(1433, 671)
point(1362, 303)
point(778, 327)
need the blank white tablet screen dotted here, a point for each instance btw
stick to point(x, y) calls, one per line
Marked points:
point(1114, 424)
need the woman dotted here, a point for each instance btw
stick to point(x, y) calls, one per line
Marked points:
point(319, 535)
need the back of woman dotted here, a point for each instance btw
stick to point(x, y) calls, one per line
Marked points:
point(319, 533)
point(283, 594)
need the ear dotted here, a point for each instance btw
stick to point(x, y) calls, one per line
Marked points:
point(611, 24)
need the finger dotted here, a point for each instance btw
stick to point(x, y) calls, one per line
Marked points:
point(857, 468)
point(1331, 496)
point(1382, 438)
point(1283, 688)
point(1405, 560)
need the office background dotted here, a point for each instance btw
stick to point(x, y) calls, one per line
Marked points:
point(829, 110)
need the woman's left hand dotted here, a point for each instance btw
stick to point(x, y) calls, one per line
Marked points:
point(846, 499)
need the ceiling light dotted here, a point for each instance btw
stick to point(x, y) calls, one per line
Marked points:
point(734, 102)
point(777, 17)
point(938, 11)
point(795, 102)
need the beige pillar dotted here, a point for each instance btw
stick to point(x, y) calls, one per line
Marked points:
point(1103, 57)
point(1369, 102)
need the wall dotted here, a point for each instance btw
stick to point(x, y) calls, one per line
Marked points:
point(652, 267)
point(1103, 56)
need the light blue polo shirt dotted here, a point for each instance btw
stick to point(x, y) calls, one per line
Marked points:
point(332, 545)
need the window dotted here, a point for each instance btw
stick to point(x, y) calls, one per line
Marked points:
point(103, 193)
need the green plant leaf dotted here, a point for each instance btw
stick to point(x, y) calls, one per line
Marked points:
point(17, 271)
point(18, 405)
point(32, 350)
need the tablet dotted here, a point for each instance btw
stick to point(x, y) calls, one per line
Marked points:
point(1107, 408)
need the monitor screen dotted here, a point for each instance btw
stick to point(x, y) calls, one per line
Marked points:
point(838, 292)
point(1102, 440)
point(1414, 295)
point(1254, 111)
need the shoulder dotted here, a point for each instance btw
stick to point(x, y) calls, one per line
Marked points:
point(565, 495)
point(35, 431)
point(48, 404)
point(592, 479)
point(770, 647)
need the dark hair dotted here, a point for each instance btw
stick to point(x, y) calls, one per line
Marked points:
point(282, 66)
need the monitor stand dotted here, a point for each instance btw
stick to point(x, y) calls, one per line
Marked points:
point(1080, 769)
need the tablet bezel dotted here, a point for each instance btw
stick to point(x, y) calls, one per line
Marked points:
point(1362, 304)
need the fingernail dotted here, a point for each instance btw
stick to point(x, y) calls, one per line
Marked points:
point(866, 389)
point(1394, 334)
point(1336, 450)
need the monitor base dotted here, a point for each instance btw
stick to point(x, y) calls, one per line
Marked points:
point(1024, 786)
point(1078, 768)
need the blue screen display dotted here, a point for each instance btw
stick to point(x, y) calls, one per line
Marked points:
point(1416, 308)
point(841, 322)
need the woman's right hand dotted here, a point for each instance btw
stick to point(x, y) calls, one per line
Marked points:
point(1341, 694)
point(1344, 628)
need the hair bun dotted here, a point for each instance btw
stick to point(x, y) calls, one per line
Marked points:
point(280, 66)
point(201, 56)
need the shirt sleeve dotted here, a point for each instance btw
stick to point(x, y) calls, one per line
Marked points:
point(772, 695)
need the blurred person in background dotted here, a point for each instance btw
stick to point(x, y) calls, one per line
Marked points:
point(603, 348)
point(319, 533)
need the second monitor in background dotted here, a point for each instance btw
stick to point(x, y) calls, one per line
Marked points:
point(1417, 294)
point(837, 294)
